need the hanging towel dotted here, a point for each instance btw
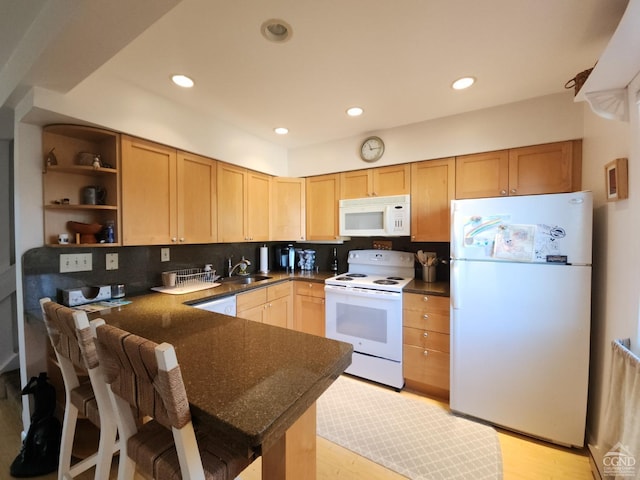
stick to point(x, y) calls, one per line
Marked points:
point(621, 436)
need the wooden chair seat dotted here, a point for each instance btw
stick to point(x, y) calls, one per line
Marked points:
point(153, 450)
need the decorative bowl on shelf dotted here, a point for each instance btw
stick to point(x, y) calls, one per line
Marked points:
point(87, 231)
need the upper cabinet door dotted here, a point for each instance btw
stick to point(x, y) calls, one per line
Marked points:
point(356, 184)
point(482, 175)
point(257, 207)
point(549, 168)
point(376, 182)
point(323, 193)
point(432, 189)
point(243, 204)
point(392, 180)
point(197, 207)
point(231, 202)
point(287, 209)
point(149, 208)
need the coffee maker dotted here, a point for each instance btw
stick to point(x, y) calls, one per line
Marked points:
point(285, 258)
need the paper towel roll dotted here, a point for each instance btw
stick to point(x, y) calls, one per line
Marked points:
point(264, 259)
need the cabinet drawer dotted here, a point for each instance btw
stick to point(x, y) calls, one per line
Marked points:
point(310, 289)
point(425, 303)
point(426, 339)
point(436, 322)
point(251, 299)
point(429, 367)
point(279, 291)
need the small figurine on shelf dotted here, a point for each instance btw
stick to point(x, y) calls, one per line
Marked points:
point(96, 162)
point(50, 159)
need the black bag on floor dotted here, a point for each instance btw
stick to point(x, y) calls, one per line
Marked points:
point(41, 448)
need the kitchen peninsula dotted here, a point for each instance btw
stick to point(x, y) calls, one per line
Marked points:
point(254, 385)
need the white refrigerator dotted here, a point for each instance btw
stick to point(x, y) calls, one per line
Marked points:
point(520, 312)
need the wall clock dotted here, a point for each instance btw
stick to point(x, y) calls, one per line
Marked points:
point(372, 149)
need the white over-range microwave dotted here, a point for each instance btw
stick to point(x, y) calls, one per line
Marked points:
point(376, 216)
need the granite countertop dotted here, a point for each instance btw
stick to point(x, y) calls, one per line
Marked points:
point(245, 380)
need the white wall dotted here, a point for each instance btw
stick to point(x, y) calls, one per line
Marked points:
point(107, 103)
point(539, 120)
point(616, 258)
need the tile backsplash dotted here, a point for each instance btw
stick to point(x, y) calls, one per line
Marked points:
point(140, 268)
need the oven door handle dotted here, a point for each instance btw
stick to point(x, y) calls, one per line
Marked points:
point(362, 292)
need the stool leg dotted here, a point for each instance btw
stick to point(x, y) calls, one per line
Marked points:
point(106, 448)
point(66, 445)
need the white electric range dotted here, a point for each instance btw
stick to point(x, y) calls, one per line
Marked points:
point(364, 308)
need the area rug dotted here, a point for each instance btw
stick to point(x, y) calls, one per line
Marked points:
point(408, 436)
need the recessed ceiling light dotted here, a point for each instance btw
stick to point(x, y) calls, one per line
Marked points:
point(462, 83)
point(281, 130)
point(276, 30)
point(354, 111)
point(182, 81)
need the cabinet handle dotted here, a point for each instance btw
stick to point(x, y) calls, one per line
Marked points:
point(182, 239)
point(174, 239)
point(425, 316)
point(425, 353)
point(513, 190)
point(503, 192)
point(425, 299)
point(425, 334)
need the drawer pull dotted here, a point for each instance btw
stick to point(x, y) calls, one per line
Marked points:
point(425, 299)
point(425, 316)
point(425, 353)
point(425, 334)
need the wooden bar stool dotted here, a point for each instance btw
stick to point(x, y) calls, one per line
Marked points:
point(73, 342)
point(147, 377)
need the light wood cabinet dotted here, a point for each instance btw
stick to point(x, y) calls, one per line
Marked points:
point(243, 204)
point(168, 196)
point(426, 343)
point(323, 194)
point(376, 182)
point(197, 199)
point(65, 178)
point(287, 209)
point(149, 193)
point(271, 305)
point(309, 308)
point(432, 189)
point(538, 169)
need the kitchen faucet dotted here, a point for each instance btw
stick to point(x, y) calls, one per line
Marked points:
point(243, 263)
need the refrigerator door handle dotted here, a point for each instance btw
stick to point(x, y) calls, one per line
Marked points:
point(455, 287)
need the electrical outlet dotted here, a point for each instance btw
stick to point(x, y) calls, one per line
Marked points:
point(165, 255)
point(111, 261)
point(76, 262)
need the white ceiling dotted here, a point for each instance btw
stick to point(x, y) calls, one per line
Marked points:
point(396, 59)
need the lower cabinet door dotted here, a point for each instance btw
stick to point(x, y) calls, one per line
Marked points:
point(429, 367)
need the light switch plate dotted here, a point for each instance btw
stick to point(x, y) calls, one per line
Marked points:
point(76, 262)
point(111, 261)
point(165, 255)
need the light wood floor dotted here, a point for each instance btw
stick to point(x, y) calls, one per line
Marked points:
point(523, 458)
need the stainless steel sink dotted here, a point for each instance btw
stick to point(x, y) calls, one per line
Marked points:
point(244, 279)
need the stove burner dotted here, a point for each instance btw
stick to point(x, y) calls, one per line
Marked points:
point(385, 281)
point(356, 275)
point(344, 279)
point(395, 278)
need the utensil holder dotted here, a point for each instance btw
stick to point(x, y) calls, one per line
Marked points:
point(429, 273)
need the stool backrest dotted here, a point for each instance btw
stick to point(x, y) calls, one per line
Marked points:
point(146, 375)
point(67, 338)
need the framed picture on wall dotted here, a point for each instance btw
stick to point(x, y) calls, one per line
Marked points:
point(616, 180)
